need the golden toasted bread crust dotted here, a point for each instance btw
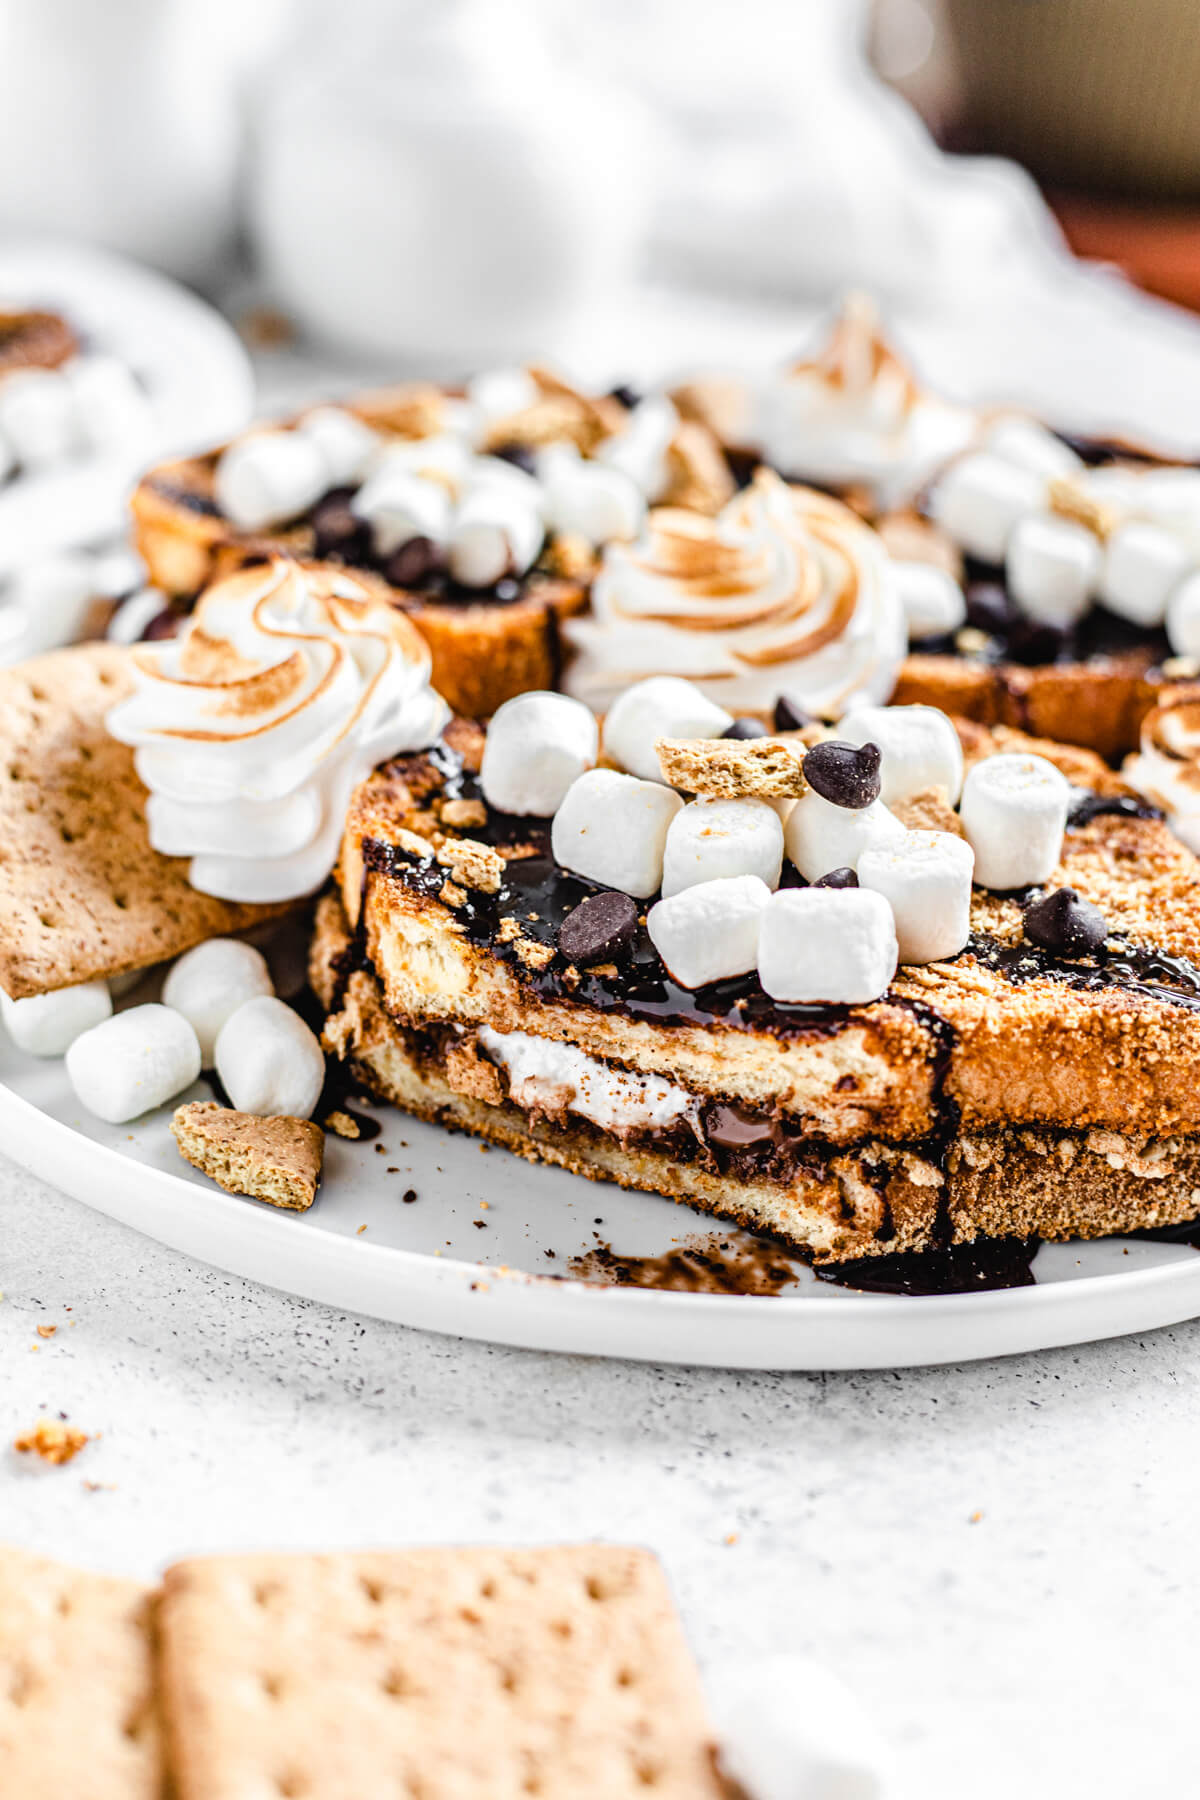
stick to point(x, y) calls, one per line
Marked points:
point(862, 1199)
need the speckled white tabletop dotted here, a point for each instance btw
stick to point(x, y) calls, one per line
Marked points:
point(998, 1557)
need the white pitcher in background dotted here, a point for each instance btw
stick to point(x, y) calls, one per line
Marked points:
point(429, 185)
point(119, 123)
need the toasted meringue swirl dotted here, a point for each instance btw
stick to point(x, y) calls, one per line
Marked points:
point(253, 726)
point(855, 415)
point(785, 591)
point(1166, 766)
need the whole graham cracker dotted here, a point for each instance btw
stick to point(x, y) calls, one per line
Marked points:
point(78, 1708)
point(448, 1674)
point(82, 894)
point(276, 1160)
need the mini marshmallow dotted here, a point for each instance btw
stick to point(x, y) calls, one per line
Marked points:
point(536, 746)
point(663, 706)
point(209, 983)
point(713, 839)
point(613, 829)
point(1142, 564)
point(789, 1730)
point(269, 477)
point(1029, 445)
point(268, 1060)
point(48, 1024)
point(933, 601)
point(1014, 812)
point(500, 393)
point(920, 749)
point(38, 417)
point(112, 411)
point(820, 836)
point(400, 505)
point(640, 450)
point(345, 443)
point(980, 498)
point(1183, 617)
point(1053, 566)
point(925, 877)
point(589, 500)
point(443, 458)
point(709, 932)
point(496, 531)
point(133, 1062)
point(834, 945)
point(129, 622)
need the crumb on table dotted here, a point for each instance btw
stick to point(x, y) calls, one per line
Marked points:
point(53, 1442)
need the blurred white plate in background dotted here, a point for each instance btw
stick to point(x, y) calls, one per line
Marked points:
point(196, 375)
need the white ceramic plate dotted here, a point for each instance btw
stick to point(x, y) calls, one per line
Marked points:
point(195, 372)
point(449, 1262)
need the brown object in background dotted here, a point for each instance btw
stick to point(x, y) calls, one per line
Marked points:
point(1092, 94)
point(1156, 246)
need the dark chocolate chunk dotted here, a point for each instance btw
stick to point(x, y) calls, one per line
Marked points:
point(746, 728)
point(1066, 924)
point(519, 455)
point(989, 608)
point(598, 928)
point(1033, 644)
point(789, 716)
point(164, 624)
point(336, 531)
point(838, 878)
point(414, 562)
point(845, 774)
point(628, 396)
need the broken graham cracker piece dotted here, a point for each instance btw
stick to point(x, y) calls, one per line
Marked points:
point(769, 768)
point(276, 1160)
point(82, 894)
point(78, 1706)
point(455, 1674)
point(471, 863)
point(53, 1441)
point(930, 810)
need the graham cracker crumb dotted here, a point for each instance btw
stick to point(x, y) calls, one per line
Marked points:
point(54, 1442)
point(342, 1124)
point(452, 895)
point(46, 1331)
point(473, 864)
point(462, 814)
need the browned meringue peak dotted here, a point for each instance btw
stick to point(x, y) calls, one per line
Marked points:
point(857, 356)
point(785, 590)
point(855, 417)
point(252, 727)
point(1166, 767)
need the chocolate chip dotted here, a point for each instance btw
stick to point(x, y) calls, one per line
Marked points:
point(1033, 644)
point(1065, 924)
point(838, 878)
point(414, 562)
point(519, 455)
point(789, 716)
point(628, 396)
point(746, 728)
point(989, 608)
point(336, 531)
point(846, 774)
point(164, 624)
point(598, 928)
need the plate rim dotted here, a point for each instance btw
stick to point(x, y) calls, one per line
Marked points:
point(46, 1146)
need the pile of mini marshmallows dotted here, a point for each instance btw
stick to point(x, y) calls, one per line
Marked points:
point(485, 517)
point(879, 894)
point(218, 1010)
point(91, 405)
point(1142, 563)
